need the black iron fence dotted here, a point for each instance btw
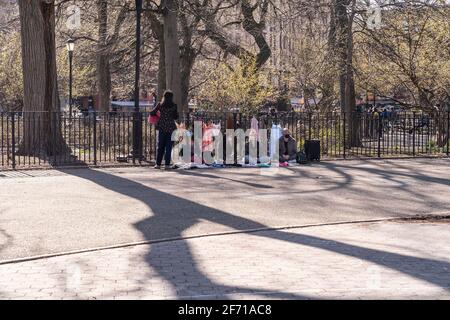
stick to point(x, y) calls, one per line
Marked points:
point(39, 139)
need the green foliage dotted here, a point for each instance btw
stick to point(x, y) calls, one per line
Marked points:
point(11, 79)
point(409, 55)
point(84, 77)
point(244, 87)
point(11, 86)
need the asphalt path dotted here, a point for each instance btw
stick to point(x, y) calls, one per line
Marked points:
point(44, 212)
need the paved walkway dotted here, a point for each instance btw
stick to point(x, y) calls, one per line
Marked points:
point(53, 211)
point(387, 260)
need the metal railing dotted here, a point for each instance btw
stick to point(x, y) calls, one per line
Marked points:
point(95, 139)
point(46, 139)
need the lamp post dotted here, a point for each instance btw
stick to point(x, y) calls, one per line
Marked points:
point(137, 123)
point(70, 48)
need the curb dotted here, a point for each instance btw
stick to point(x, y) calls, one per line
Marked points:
point(443, 215)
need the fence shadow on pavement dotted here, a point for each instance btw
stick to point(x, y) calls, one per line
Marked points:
point(172, 215)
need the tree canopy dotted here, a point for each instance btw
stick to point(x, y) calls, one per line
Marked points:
point(328, 51)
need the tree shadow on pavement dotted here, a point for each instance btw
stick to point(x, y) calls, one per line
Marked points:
point(217, 177)
point(173, 215)
point(5, 239)
point(417, 176)
point(398, 177)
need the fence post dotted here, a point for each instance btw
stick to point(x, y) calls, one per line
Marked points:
point(345, 135)
point(13, 141)
point(448, 133)
point(235, 138)
point(187, 119)
point(54, 113)
point(310, 125)
point(414, 133)
point(380, 134)
point(95, 137)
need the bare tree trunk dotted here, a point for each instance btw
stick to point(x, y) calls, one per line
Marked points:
point(256, 29)
point(103, 58)
point(188, 55)
point(328, 91)
point(172, 51)
point(347, 93)
point(442, 118)
point(41, 135)
point(350, 95)
point(158, 33)
point(161, 71)
point(185, 81)
point(341, 25)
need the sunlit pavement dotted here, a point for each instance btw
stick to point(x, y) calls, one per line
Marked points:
point(385, 260)
point(58, 211)
point(44, 212)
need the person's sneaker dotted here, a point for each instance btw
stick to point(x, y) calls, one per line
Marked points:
point(157, 167)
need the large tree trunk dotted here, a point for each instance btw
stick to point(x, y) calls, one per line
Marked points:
point(188, 55)
point(442, 120)
point(328, 78)
point(41, 132)
point(347, 93)
point(172, 51)
point(354, 119)
point(103, 55)
point(161, 71)
point(158, 33)
point(186, 70)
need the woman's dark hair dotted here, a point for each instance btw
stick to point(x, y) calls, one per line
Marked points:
point(167, 99)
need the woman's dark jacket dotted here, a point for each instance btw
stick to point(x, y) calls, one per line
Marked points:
point(169, 113)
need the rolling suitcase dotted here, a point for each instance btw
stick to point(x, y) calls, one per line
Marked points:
point(312, 150)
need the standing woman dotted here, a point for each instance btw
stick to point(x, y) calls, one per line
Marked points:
point(166, 125)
